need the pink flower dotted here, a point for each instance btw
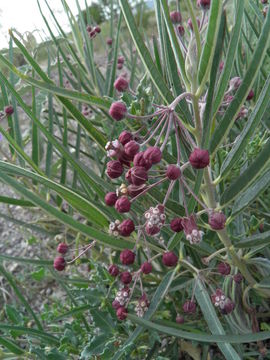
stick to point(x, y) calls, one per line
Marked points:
point(181, 30)
point(189, 307)
point(193, 235)
point(204, 4)
point(137, 175)
point(9, 109)
point(114, 149)
point(250, 95)
point(155, 219)
point(139, 160)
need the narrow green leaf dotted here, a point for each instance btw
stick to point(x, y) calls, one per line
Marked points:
point(246, 134)
point(208, 51)
point(254, 240)
point(11, 346)
point(230, 56)
point(230, 115)
point(248, 176)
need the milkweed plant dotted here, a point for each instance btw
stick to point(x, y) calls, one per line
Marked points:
point(147, 152)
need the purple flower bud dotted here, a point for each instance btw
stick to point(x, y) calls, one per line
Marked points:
point(193, 234)
point(127, 257)
point(250, 95)
point(109, 41)
point(179, 319)
point(224, 268)
point(121, 313)
point(181, 30)
point(118, 110)
point(139, 160)
point(146, 268)
point(122, 204)
point(176, 17)
point(125, 137)
point(173, 172)
point(176, 224)
point(126, 277)
point(134, 190)
point(116, 304)
point(199, 158)
point(189, 307)
point(126, 227)
point(264, 1)
point(62, 248)
point(228, 307)
point(238, 278)
point(110, 198)
point(88, 28)
point(114, 169)
point(217, 220)
point(59, 263)
point(119, 66)
point(151, 230)
point(113, 270)
point(92, 34)
point(138, 175)
point(9, 109)
point(121, 84)
point(97, 29)
point(153, 155)
point(190, 25)
point(204, 4)
point(131, 148)
point(121, 60)
point(169, 259)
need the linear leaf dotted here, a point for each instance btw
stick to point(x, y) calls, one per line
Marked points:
point(231, 113)
point(254, 240)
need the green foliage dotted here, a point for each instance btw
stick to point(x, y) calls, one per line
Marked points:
point(54, 144)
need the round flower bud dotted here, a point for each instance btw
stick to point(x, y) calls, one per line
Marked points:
point(217, 220)
point(204, 4)
point(109, 41)
point(120, 60)
point(119, 66)
point(138, 175)
point(126, 277)
point(228, 307)
point(131, 148)
point(9, 109)
point(110, 198)
point(199, 158)
point(173, 172)
point(176, 224)
point(118, 110)
point(181, 30)
point(125, 137)
point(122, 204)
point(139, 160)
point(113, 270)
point(59, 263)
point(176, 17)
point(126, 227)
point(114, 169)
point(238, 278)
point(121, 84)
point(151, 230)
point(224, 268)
point(179, 319)
point(127, 257)
point(153, 155)
point(97, 29)
point(121, 313)
point(62, 248)
point(146, 268)
point(189, 307)
point(88, 28)
point(250, 95)
point(169, 259)
point(116, 304)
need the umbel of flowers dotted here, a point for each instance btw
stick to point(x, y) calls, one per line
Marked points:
point(136, 165)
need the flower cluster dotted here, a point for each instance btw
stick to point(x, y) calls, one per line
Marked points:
point(225, 304)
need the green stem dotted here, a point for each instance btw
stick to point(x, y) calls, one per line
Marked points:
point(195, 29)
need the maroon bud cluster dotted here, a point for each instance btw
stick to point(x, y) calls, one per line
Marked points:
point(181, 30)
point(155, 219)
point(9, 110)
point(59, 263)
point(224, 268)
point(62, 248)
point(92, 32)
point(189, 307)
point(142, 305)
point(204, 4)
point(176, 224)
point(193, 234)
point(109, 41)
point(199, 158)
point(176, 17)
point(169, 259)
point(217, 220)
point(118, 110)
point(121, 84)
